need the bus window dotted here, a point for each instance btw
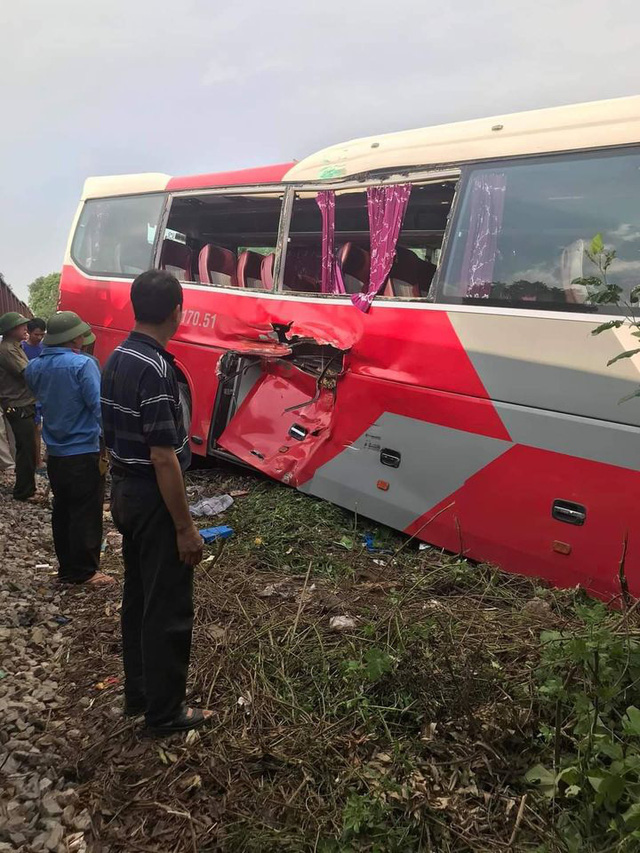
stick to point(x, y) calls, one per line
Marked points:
point(115, 236)
point(223, 240)
point(524, 230)
point(417, 251)
point(303, 263)
point(420, 240)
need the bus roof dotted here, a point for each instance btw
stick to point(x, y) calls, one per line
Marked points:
point(593, 125)
point(147, 182)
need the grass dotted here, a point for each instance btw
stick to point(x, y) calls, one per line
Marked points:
point(412, 731)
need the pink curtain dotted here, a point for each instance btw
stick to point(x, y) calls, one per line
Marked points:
point(331, 280)
point(387, 206)
point(485, 221)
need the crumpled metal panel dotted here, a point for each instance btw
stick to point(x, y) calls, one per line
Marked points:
point(260, 433)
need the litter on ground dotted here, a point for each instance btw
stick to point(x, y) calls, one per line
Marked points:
point(212, 534)
point(211, 506)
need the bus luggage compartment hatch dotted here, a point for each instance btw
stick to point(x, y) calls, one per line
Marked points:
point(274, 412)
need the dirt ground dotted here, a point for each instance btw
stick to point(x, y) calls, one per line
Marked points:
point(363, 700)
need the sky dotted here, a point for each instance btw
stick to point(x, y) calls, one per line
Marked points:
point(188, 86)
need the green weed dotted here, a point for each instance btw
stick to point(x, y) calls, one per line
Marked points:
point(588, 689)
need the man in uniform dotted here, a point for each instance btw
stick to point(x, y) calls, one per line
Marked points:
point(32, 345)
point(17, 402)
point(149, 449)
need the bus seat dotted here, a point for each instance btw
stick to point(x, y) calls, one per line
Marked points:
point(428, 270)
point(176, 259)
point(410, 276)
point(217, 266)
point(303, 269)
point(355, 263)
point(249, 269)
point(266, 271)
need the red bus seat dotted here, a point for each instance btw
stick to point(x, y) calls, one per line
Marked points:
point(266, 271)
point(176, 258)
point(249, 272)
point(355, 263)
point(217, 266)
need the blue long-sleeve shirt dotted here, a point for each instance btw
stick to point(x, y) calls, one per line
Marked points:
point(67, 384)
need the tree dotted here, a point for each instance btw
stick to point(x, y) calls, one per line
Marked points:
point(43, 295)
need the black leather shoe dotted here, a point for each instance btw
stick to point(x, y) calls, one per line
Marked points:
point(134, 709)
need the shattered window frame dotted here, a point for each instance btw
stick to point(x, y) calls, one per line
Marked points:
point(414, 177)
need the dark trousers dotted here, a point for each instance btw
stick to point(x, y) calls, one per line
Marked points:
point(24, 432)
point(76, 519)
point(157, 601)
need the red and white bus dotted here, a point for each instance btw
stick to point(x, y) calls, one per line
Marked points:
point(402, 325)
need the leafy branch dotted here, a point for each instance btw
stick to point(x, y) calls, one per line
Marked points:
point(602, 291)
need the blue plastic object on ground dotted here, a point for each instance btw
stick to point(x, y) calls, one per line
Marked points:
point(211, 534)
point(370, 545)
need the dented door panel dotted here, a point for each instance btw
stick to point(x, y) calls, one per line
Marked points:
point(282, 422)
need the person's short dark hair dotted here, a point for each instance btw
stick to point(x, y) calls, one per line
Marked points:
point(154, 295)
point(36, 323)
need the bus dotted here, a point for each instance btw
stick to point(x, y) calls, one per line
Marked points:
point(402, 325)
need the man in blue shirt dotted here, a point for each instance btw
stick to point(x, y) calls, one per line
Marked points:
point(32, 344)
point(67, 384)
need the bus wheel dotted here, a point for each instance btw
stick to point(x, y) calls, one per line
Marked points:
point(185, 405)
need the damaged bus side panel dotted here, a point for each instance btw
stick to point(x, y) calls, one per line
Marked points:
point(274, 409)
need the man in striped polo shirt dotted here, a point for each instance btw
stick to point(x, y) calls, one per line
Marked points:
point(145, 435)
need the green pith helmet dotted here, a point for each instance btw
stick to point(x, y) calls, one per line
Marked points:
point(11, 320)
point(88, 339)
point(64, 327)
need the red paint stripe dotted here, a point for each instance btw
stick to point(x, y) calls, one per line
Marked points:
point(502, 515)
point(259, 175)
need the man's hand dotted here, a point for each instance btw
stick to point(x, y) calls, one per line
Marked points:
point(190, 545)
point(171, 485)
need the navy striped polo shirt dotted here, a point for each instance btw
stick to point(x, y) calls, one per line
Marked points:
point(141, 406)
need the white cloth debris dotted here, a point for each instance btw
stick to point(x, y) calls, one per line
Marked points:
point(342, 623)
point(211, 506)
point(245, 702)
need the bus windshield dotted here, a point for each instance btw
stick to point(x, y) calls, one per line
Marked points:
point(116, 236)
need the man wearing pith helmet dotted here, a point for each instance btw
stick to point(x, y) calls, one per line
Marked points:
point(67, 384)
point(17, 402)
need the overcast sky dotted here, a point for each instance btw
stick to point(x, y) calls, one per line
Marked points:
point(94, 88)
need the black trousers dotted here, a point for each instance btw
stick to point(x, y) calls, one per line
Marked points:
point(24, 431)
point(76, 519)
point(157, 601)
